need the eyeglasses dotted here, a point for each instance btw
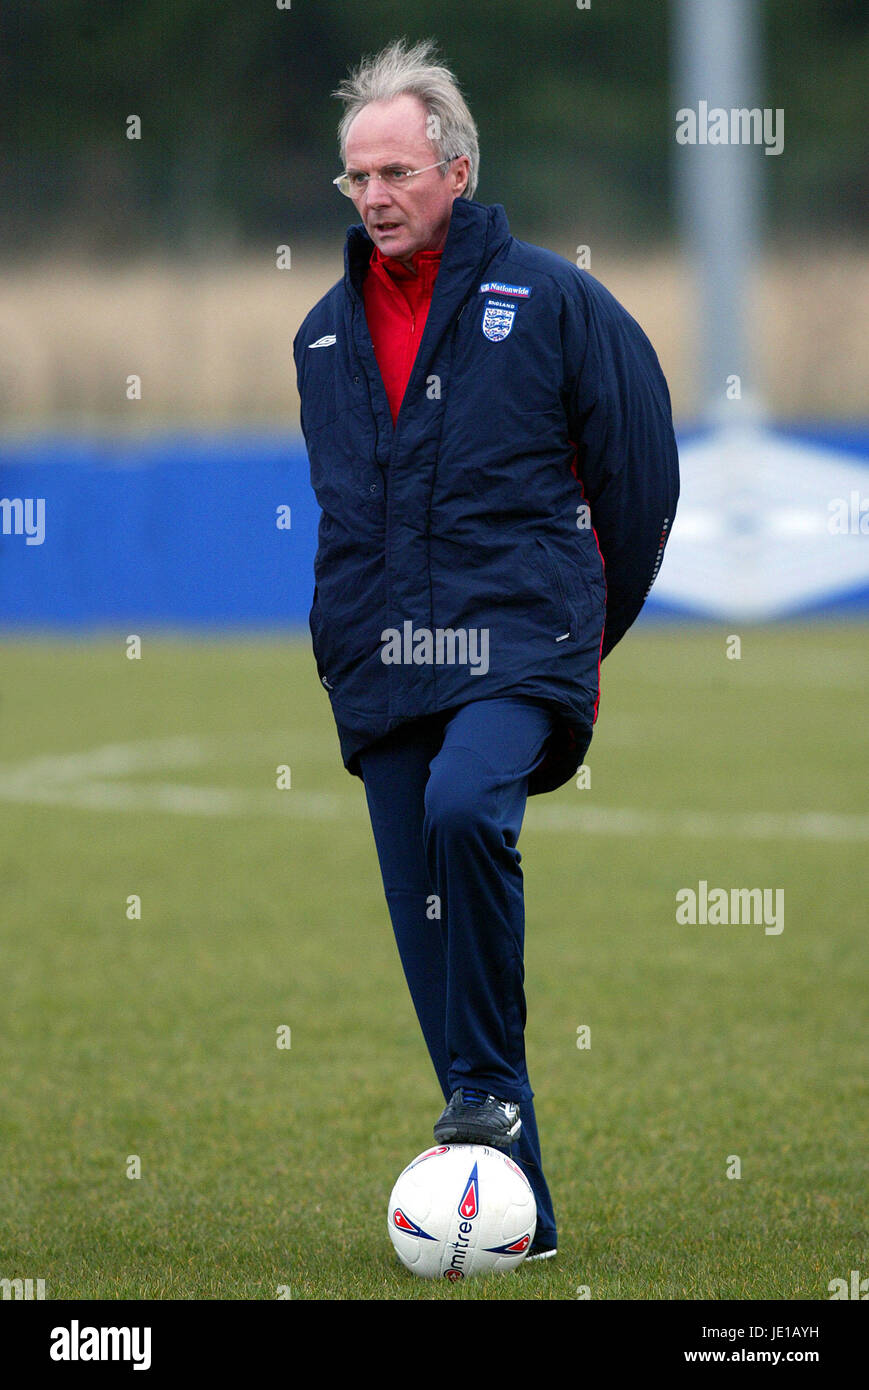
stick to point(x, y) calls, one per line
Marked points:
point(394, 176)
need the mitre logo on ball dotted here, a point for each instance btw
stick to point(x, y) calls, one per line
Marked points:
point(459, 1210)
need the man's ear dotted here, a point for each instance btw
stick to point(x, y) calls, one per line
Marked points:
point(460, 167)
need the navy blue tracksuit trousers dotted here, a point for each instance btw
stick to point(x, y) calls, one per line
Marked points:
point(446, 795)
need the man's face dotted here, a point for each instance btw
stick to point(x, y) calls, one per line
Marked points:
point(415, 217)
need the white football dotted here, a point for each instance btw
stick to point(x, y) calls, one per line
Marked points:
point(459, 1210)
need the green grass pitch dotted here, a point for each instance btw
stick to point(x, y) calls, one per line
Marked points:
point(266, 1168)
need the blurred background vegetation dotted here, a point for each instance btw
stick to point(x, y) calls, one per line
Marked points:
point(238, 126)
point(238, 148)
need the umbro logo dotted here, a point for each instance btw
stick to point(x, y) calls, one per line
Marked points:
point(329, 341)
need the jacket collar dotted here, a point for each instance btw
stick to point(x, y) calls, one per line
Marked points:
point(415, 283)
point(475, 234)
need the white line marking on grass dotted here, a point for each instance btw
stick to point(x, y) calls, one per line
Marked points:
point(739, 825)
point(92, 781)
point(79, 779)
point(179, 799)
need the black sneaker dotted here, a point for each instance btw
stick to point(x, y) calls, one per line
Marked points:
point(473, 1117)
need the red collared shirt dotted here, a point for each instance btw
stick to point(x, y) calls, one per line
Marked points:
point(396, 307)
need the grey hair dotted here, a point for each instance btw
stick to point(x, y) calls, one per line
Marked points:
point(398, 70)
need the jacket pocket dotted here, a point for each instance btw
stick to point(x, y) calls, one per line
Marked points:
point(315, 624)
point(556, 589)
point(318, 395)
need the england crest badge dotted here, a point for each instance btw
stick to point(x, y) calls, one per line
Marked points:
point(497, 320)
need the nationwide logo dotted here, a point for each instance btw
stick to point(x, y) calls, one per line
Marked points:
point(496, 287)
point(404, 1223)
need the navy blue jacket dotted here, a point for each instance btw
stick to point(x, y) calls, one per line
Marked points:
point(455, 558)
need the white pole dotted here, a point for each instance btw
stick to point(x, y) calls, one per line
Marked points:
point(716, 65)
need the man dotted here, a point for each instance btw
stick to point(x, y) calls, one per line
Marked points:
point(491, 445)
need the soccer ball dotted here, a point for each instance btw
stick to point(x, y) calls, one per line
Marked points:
point(459, 1210)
